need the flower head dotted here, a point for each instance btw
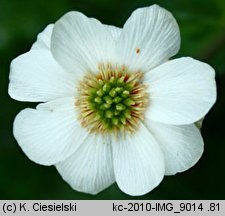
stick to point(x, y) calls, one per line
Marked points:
point(115, 107)
point(112, 101)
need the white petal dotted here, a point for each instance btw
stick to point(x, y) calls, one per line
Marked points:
point(181, 91)
point(50, 133)
point(115, 31)
point(182, 145)
point(36, 76)
point(149, 37)
point(44, 38)
point(77, 39)
point(138, 162)
point(90, 168)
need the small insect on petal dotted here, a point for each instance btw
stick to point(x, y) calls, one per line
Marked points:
point(138, 50)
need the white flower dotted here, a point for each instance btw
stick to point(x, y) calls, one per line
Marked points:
point(115, 107)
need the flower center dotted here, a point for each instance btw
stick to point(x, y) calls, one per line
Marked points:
point(111, 101)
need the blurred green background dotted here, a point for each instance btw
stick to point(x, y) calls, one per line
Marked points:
point(202, 25)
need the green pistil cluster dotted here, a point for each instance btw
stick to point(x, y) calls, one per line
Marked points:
point(112, 102)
